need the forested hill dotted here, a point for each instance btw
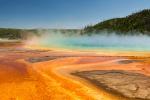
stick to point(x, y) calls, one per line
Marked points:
point(136, 22)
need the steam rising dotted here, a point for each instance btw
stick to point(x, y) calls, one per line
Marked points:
point(85, 42)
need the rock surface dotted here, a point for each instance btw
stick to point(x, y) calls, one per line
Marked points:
point(127, 83)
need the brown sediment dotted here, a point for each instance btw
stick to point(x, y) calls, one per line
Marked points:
point(10, 43)
point(128, 61)
point(126, 83)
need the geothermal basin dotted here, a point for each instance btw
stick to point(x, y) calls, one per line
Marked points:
point(76, 68)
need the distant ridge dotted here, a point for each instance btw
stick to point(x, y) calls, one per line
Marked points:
point(136, 22)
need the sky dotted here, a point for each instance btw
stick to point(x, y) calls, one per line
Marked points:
point(64, 13)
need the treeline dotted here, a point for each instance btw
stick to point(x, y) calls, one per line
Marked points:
point(16, 33)
point(10, 33)
point(136, 22)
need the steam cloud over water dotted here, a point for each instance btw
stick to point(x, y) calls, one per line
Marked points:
point(85, 42)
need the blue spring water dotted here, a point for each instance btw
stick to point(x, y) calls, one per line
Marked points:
point(108, 42)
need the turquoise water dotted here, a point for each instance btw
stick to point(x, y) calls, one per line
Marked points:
point(108, 42)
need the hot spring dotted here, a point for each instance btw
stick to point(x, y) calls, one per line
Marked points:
point(92, 42)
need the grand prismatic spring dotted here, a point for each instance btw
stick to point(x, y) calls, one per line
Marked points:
point(56, 67)
point(74, 50)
